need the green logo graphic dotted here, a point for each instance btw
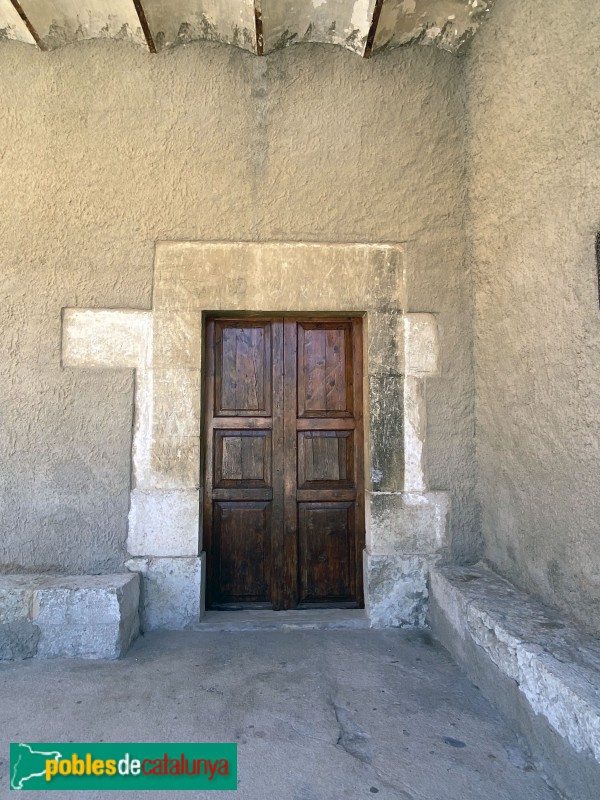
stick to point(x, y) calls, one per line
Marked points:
point(124, 765)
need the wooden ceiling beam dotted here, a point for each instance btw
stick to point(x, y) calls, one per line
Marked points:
point(373, 29)
point(30, 28)
point(260, 41)
point(144, 23)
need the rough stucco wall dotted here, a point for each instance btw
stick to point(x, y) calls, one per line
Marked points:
point(105, 148)
point(534, 79)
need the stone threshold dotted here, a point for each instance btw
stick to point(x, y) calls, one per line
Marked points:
point(261, 620)
point(539, 669)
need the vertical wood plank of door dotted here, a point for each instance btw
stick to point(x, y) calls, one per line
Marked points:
point(279, 598)
point(329, 504)
point(208, 539)
point(359, 457)
point(243, 446)
point(287, 596)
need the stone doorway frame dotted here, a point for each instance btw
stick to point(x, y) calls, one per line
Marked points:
point(405, 524)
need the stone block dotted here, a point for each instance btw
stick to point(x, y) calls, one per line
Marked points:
point(421, 346)
point(191, 276)
point(386, 427)
point(177, 339)
point(396, 594)
point(175, 402)
point(18, 640)
point(405, 523)
point(16, 593)
point(85, 599)
point(385, 335)
point(87, 616)
point(105, 338)
point(171, 591)
point(164, 523)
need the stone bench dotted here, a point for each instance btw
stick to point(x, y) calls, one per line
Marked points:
point(539, 669)
point(86, 616)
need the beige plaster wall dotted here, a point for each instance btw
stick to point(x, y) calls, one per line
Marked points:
point(534, 133)
point(105, 149)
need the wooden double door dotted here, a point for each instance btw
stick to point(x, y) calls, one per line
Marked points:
point(283, 501)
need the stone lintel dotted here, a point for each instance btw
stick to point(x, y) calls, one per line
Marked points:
point(274, 276)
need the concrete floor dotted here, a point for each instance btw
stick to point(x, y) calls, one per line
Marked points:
point(318, 715)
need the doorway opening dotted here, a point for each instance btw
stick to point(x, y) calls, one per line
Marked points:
point(283, 507)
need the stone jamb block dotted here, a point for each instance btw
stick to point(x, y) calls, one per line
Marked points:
point(164, 523)
point(421, 345)
point(385, 337)
point(177, 339)
point(175, 402)
point(173, 463)
point(415, 429)
point(172, 590)
point(396, 593)
point(407, 523)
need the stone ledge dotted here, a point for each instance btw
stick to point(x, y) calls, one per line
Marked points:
point(536, 666)
point(85, 616)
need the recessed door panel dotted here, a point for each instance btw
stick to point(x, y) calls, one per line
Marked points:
point(326, 552)
point(325, 459)
point(243, 551)
point(283, 494)
point(242, 458)
point(324, 369)
point(243, 369)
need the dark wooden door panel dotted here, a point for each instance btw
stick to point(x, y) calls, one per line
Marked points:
point(242, 458)
point(284, 500)
point(324, 369)
point(243, 369)
point(243, 453)
point(325, 459)
point(243, 544)
point(326, 552)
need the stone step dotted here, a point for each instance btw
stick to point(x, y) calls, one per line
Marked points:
point(84, 616)
point(260, 620)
